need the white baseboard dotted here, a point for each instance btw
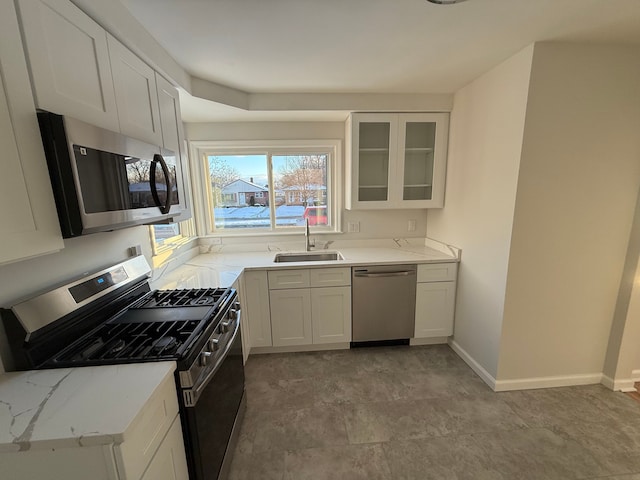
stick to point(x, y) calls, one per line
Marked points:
point(548, 382)
point(529, 383)
point(635, 375)
point(428, 341)
point(475, 366)
point(620, 385)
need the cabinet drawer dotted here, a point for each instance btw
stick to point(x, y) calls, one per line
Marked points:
point(151, 425)
point(437, 272)
point(280, 279)
point(330, 277)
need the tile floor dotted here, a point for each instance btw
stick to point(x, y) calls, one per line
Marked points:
point(420, 413)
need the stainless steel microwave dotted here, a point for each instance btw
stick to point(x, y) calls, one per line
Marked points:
point(103, 180)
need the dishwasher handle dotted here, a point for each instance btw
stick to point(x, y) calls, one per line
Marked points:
point(403, 273)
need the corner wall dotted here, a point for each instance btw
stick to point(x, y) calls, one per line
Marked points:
point(622, 351)
point(577, 190)
point(487, 125)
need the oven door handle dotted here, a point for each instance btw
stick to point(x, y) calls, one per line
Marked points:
point(197, 391)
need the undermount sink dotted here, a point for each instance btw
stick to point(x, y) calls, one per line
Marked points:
point(323, 256)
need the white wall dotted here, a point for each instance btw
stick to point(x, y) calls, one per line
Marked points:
point(373, 224)
point(81, 255)
point(487, 125)
point(577, 189)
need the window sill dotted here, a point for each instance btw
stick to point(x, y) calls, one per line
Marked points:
point(173, 255)
point(270, 233)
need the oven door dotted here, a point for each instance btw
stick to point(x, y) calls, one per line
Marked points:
point(211, 420)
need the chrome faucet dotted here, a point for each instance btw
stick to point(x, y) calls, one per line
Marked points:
point(308, 244)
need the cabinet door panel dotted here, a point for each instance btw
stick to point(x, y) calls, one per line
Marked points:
point(170, 116)
point(435, 304)
point(373, 150)
point(30, 223)
point(154, 422)
point(136, 94)
point(331, 314)
point(256, 308)
point(422, 150)
point(69, 61)
point(291, 317)
point(169, 462)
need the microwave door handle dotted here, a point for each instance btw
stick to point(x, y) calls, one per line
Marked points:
point(157, 158)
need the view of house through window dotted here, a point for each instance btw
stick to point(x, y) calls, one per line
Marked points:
point(268, 190)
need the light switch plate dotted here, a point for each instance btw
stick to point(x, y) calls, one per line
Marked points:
point(353, 227)
point(411, 226)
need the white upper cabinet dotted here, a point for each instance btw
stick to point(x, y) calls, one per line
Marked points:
point(136, 94)
point(170, 116)
point(29, 222)
point(80, 70)
point(69, 60)
point(396, 160)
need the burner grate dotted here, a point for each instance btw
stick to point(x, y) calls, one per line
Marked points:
point(186, 298)
point(132, 342)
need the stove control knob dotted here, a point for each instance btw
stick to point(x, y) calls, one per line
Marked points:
point(204, 358)
point(213, 344)
point(225, 326)
point(233, 313)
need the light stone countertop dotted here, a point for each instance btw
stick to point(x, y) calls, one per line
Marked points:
point(71, 407)
point(222, 266)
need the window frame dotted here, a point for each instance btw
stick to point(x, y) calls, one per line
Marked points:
point(204, 208)
point(187, 233)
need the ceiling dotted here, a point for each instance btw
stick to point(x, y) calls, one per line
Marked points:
point(362, 46)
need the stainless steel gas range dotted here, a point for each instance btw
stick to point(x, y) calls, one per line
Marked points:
point(113, 316)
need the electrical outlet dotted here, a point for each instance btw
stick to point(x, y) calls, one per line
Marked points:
point(135, 250)
point(411, 226)
point(353, 227)
point(215, 241)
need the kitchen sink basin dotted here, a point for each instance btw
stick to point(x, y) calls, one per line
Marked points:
point(308, 257)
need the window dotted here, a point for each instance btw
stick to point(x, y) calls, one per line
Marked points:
point(276, 187)
point(166, 237)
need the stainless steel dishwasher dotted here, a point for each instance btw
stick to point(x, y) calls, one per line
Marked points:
point(383, 302)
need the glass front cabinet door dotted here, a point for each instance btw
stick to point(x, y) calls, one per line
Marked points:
point(397, 160)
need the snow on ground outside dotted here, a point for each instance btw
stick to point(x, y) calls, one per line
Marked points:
point(286, 215)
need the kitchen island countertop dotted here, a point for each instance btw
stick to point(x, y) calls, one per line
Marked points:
point(71, 407)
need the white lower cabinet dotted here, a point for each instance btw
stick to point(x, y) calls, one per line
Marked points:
point(169, 463)
point(435, 300)
point(291, 317)
point(315, 308)
point(255, 307)
point(153, 449)
point(331, 314)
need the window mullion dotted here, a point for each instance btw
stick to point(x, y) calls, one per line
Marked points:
point(272, 192)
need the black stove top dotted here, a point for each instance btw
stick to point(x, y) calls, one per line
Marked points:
point(163, 325)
